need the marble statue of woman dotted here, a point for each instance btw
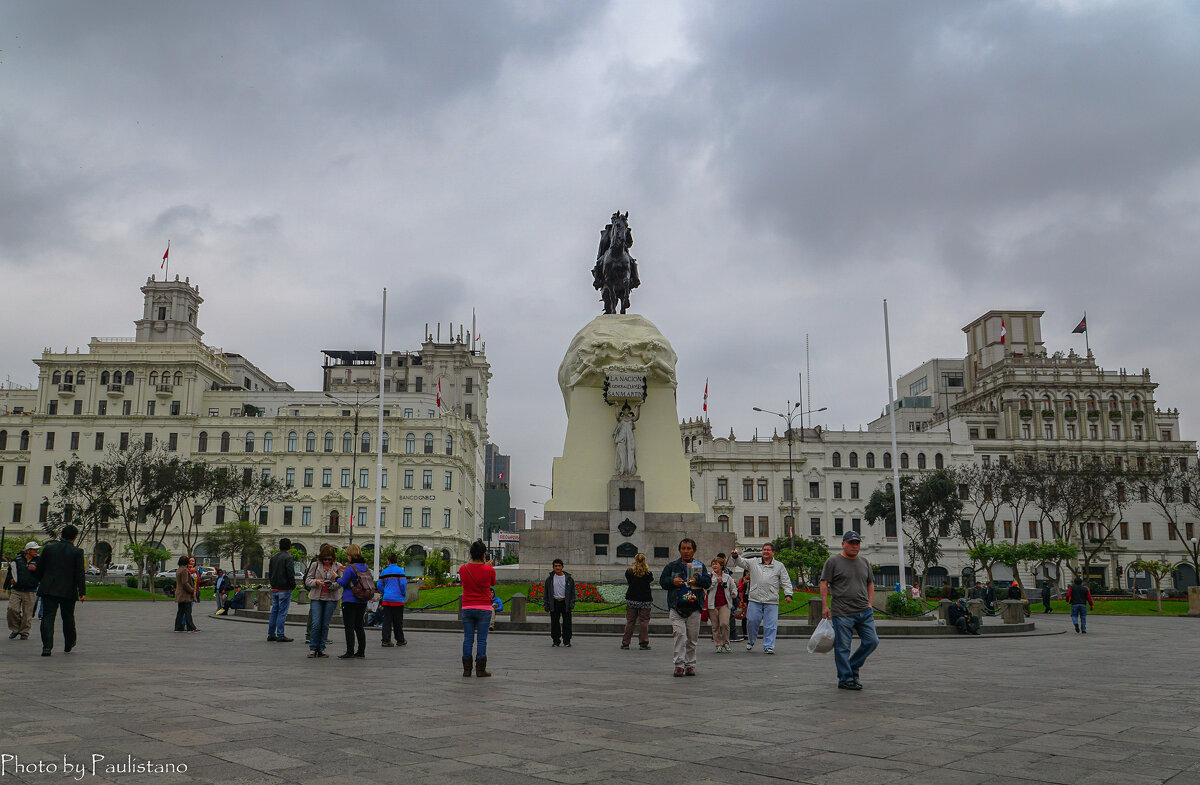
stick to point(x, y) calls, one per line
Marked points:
point(626, 461)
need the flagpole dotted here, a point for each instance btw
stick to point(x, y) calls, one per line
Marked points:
point(1086, 343)
point(379, 436)
point(887, 338)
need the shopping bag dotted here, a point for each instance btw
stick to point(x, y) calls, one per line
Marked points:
point(822, 638)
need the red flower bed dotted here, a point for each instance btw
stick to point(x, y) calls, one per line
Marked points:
point(584, 592)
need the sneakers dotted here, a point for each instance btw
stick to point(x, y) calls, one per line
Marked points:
point(388, 644)
point(689, 672)
point(625, 646)
point(849, 685)
point(567, 644)
point(24, 637)
point(284, 639)
point(1084, 632)
point(749, 646)
point(678, 671)
point(271, 639)
point(644, 646)
point(402, 643)
point(1076, 626)
point(12, 635)
point(768, 651)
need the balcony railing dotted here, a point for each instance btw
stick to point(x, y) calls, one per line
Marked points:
point(116, 389)
point(66, 389)
point(164, 389)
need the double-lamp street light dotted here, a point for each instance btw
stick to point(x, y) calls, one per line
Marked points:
point(354, 447)
point(790, 414)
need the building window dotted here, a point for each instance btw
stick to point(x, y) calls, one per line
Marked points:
point(347, 442)
point(249, 441)
point(814, 490)
point(449, 481)
point(887, 460)
point(327, 478)
point(77, 407)
point(50, 440)
point(1190, 530)
point(1070, 431)
point(814, 526)
point(16, 516)
point(1123, 528)
point(425, 517)
point(1145, 531)
point(853, 460)
point(364, 442)
point(174, 408)
point(408, 479)
point(1164, 436)
point(429, 444)
point(407, 412)
point(787, 489)
point(306, 516)
point(836, 459)
point(225, 441)
point(837, 490)
point(723, 522)
point(172, 441)
point(289, 478)
point(46, 475)
point(748, 525)
point(291, 441)
point(764, 526)
point(427, 480)
point(446, 518)
point(418, 384)
point(1116, 432)
point(410, 444)
point(382, 517)
point(385, 442)
point(20, 475)
point(150, 405)
point(308, 478)
point(839, 527)
point(262, 516)
point(921, 460)
point(1008, 529)
point(973, 433)
point(854, 490)
point(406, 518)
point(903, 460)
point(287, 516)
point(364, 480)
point(148, 441)
point(268, 442)
point(747, 490)
point(74, 441)
point(722, 489)
point(470, 384)
point(328, 443)
point(345, 478)
point(99, 440)
point(870, 460)
point(383, 479)
point(219, 515)
point(1171, 535)
point(310, 442)
point(762, 490)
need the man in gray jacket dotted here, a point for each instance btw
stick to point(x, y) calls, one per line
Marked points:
point(767, 579)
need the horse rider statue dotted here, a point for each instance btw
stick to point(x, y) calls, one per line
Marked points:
point(616, 272)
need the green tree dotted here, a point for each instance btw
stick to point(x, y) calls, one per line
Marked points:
point(804, 558)
point(436, 569)
point(931, 507)
point(233, 538)
point(1157, 570)
point(147, 554)
point(82, 498)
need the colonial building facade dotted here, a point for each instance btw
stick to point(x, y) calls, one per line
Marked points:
point(1006, 400)
point(166, 387)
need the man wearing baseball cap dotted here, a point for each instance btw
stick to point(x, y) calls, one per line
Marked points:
point(848, 577)
point(21, 584)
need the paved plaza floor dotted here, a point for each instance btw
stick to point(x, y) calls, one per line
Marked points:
point(1118, 705)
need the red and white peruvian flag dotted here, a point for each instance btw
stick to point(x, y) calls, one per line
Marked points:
point(706, 395)
point(166, 253)
point(1003, 331)
point(439, 393)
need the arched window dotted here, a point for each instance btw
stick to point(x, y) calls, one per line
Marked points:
point(853, 460)
point(104, 377)
point(24, 440)
point(268, 442)
point(292, 439)
point(410, 444)
point(385, 442)
point(870, 460)
point(178, 378)
point(79, 377)
point(1024, 401)
point(68, 377)
point(1113, 403)
point(310, 442)
point(153, 378)
point(836, 459)
point(249, 441)
point(1091, 403)
point(938, 462)
point(56, 378)
point(1135, 403)
point(429, 444)
point(723, 522)
point(920, 460)
point(3, 440)
point(225, 441)
point(1069, 402)
point(1047, 401)
point(903, 460)
point(364, 442)
point(328, 441)
point(887, 460)
point(347, 442)
point(202, 442)
point(449, 444)
point(128, 377)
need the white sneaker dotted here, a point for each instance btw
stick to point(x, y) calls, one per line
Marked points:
point(768, 651)
point(727, 649)
point(749, 646)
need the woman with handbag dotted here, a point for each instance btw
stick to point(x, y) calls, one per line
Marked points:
point(358, 587)
point(719, 598)
point(321, 582)
point(638, 602)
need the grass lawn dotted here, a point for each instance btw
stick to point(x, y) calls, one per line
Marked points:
point(109, 591)
point(1130, 607)
point(505, 591)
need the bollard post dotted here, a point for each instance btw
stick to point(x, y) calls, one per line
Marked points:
point(976, 609)
point(262, 599)
point(1013, 611)
point(516, 608)
point(815, 607)
point(943, 611)
point(1193, 601)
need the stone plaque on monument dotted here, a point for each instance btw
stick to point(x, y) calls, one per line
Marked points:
point(624, 387)
point(626, 550)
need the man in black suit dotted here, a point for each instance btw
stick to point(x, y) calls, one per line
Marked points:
point(61, 567)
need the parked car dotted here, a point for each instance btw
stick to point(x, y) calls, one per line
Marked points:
point(92, 570)
point(126, 570)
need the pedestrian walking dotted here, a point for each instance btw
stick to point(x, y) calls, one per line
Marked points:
point(60, 586)
point(393, 590)
point(638, 602)
point(768, 578)
point(21, 583)
point(358, 586)
point(1046, 596)
point(281, 572)
point(989, 599)
point(1080, 599)
point(739, 615)
point(719, 599)
point(477, 579)
point(685, 580)
point(847, 576)
point(185, 595)
point(323, 591)
point(558, 598)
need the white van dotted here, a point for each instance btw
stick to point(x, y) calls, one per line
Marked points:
point(123, 569)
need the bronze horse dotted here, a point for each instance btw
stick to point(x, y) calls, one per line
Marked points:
point(615, 273)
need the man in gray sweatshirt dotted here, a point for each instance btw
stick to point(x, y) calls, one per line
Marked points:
point(768, 578)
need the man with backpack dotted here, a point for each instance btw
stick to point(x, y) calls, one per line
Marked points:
point(282, 573)
point(685, 580)
point(393, 588)
point(1080, 599)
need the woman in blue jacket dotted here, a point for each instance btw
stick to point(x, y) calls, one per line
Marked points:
point(393, 587)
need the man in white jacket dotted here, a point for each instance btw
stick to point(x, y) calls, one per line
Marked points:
point(767, 579)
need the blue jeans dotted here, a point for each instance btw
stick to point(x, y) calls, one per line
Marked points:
point(1079, 616)
point(843, 627)
point(280, 601)
point(322, 613)
point(475, 626)
point(768, 614)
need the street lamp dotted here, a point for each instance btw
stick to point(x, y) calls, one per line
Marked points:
point(791, 414)
point(358, 404)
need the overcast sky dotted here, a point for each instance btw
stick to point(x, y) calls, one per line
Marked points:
point(785, 165)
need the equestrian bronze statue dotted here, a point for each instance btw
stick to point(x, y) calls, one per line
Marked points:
point(615, 273)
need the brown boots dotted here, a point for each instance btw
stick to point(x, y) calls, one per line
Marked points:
point(481, 667)
point(466, 666)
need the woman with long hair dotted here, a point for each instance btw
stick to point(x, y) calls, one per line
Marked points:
point(354, 608)
point(185, 595)
point(321, 582)
point(720, 601)
point(638, 602)
point(477, 579)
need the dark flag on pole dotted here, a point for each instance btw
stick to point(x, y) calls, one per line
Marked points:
point(1081, 327)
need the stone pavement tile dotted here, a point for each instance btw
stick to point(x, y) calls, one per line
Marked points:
point(255, 758)
point(937, 753)
point(188, 738)
point(1185, 778)
point(865, 773)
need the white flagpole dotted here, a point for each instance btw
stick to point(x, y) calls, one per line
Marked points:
point(887, 338)
point(379, 436)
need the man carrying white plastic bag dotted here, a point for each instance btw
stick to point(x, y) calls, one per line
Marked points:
point(848, 576)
